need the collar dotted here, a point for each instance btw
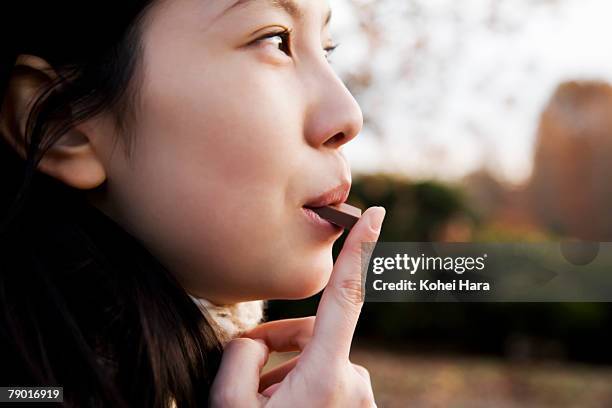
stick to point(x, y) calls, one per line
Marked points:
point(230, 321)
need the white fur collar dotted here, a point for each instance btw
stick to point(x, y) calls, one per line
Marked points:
point(232, 320)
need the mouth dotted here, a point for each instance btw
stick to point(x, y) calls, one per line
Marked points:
point(333, 196)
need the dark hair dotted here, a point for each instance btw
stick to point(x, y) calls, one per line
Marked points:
point(83, 304)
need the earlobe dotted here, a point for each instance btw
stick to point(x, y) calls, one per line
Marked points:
point(72, 159)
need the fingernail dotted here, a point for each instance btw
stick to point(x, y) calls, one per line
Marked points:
point(377, 217)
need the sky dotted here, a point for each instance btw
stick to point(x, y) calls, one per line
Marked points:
point(458, 85)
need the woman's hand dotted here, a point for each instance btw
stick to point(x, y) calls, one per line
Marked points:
point(322, 375)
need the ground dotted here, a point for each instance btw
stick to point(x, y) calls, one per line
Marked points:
point(405, 380)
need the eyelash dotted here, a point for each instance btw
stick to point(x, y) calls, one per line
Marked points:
point(285, 37)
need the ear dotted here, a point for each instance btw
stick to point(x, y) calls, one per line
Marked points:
point(72, 159)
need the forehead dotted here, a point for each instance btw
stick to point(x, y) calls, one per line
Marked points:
point(297, 9)
point(211, 16)
point(291, 7)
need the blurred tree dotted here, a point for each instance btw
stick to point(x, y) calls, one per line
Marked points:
point(415, 211)
point(415, 45)
point(570, 189)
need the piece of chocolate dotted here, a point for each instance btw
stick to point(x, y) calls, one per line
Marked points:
point(343, 215)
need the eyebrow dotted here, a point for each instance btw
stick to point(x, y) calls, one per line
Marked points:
point(289, 6)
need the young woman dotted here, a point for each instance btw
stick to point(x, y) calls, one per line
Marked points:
point(158, 159)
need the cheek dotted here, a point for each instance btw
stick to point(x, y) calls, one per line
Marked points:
point(211, 192)
point(235, 126)
point(218, 141)
point(222, 162)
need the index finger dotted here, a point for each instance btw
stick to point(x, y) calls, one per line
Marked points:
point(342, 299)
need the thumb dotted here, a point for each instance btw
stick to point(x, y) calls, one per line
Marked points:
point(237, 381)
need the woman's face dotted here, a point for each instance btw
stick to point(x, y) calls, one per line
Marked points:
point(235, 134)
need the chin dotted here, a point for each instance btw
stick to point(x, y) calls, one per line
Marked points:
point(307, 279)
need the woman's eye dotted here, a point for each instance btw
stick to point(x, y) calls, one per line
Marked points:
point(279, 39)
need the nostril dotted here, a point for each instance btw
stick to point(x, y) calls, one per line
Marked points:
point(335, 140)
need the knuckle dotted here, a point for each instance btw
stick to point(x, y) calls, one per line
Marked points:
point(363, 371)
point(343, 386)
point(367, 402)
point(333, 391)
point(350, 291)
point(238, 343)
point(335, 385)
point(364, 394)
point(241, 344)
point(365, 397)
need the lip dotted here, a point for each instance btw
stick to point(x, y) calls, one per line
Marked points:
point(334, 196)
point(324, 226)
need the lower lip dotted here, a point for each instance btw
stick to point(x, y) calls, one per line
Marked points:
point(322, 224)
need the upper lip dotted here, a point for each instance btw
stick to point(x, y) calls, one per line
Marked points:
point(334, 196)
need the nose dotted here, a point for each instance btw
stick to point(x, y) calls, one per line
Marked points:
point(333, 118)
